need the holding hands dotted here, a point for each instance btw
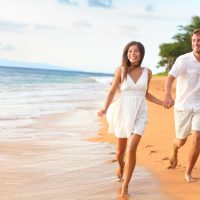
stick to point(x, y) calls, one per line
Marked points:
point(168, 102)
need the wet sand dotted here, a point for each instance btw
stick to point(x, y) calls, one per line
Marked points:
point(54, 160)
point(155, 147)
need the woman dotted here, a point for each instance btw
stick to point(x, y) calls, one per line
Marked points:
point(127, 116)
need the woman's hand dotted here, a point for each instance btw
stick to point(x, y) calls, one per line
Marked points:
point(101, 112)
point(168, 102)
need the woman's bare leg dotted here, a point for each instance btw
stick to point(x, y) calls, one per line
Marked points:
point(130, 161)
point(120, 153)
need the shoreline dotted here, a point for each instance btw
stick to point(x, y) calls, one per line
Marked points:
point(155, 146)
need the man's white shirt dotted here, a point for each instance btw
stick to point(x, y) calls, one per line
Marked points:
point(186, 70)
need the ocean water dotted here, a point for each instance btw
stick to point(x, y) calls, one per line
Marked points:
point(46, 117)
point(29, 93)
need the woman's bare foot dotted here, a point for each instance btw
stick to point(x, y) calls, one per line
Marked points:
point(189, 178)
point(119, 173)
point(124, 191)
point(173, 159)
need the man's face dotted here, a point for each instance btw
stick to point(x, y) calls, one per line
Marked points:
point(196, 43)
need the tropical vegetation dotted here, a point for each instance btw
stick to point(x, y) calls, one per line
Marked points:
point(181, 45)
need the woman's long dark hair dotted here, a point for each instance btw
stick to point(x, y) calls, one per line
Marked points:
point(125, 61)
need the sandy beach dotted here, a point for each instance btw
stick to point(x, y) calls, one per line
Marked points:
point(54, 147)
point(155, 147)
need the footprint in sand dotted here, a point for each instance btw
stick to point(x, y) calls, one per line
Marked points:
point(153, 151)
point(149, 145)
point(165, 158)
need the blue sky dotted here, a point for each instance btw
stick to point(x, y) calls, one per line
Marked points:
point(88, 34)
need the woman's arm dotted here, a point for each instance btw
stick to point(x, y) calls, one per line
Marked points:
point(153, 99)
point(114, 87)
point(149, 96)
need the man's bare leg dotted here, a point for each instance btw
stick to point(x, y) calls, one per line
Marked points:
point(193, 156)
point(177, 143)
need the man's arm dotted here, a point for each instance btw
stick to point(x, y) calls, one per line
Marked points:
point(168, 101)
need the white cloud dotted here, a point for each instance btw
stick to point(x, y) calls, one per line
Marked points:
point(6, 47)
point(80, 23)
point(101, 3)
point(68, 2)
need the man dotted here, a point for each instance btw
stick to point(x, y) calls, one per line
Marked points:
point(186, 70)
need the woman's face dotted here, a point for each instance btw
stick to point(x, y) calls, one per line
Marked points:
point(133, 54)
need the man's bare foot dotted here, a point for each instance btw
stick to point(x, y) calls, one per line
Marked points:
point(189, 178)
point(173, 159)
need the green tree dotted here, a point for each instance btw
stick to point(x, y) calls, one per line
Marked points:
point(181, 45)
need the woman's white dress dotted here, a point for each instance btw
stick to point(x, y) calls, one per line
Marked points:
point(128, 114)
